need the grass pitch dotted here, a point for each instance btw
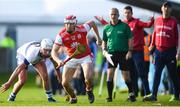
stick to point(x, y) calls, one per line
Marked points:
point(31, 95)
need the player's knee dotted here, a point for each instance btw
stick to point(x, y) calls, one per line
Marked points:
point(89, 84)
point(87, 78)
point(64, 83)
point(22, 80)
point(110, 78)
point(126, 77)
point(45, 77)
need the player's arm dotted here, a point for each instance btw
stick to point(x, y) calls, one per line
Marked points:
point(55, 51)
point(104, 49)
point(13, 76)
point(95, 29)
point(104, 45)
point(55, 64)
point(146, 24)
point(17, 71)
point(101, 20)
point(130, 43)
point(105, 39)
point(152, 44)
point(55, 55)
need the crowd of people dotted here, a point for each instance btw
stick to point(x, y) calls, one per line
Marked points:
point(123, 43)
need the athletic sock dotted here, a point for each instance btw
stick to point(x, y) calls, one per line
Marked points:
point(49, 94)
point(110, 88)
point(12, 96)
point(129, 85)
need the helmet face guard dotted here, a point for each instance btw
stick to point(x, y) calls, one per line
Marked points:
point(70, 19)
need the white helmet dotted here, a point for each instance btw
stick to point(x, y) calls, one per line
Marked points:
point(46, 43)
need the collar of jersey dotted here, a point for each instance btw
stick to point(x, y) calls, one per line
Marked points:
point(119, 21)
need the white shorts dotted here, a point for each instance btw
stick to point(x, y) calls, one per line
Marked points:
point(73, 63)
point(20, 59)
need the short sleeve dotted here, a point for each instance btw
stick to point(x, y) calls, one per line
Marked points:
point(87, 27)
point(32, 55)
point(58, 40)
point(104, 35)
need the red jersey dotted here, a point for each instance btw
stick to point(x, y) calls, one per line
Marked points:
point(70, 41)
point(165, 33)
point(138, 34)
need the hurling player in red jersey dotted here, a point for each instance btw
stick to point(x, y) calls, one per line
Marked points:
point(70, 37)
point(165, 42)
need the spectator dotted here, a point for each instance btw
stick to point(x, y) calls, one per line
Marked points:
point(165, 41)
point(147, 40)
point(7, 42)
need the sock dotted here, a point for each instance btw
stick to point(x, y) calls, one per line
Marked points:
point(110, 88)
point(88, 85)
point(12, 96)
point(129, 85)
point(69, 90)
point(49, 94)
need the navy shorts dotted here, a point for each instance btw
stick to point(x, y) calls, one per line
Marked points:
point(120, 58)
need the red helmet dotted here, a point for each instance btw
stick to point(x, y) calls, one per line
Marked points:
point(70, 19)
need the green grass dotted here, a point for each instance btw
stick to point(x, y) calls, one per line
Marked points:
point(30, 95)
